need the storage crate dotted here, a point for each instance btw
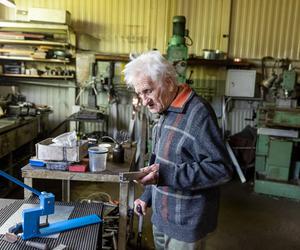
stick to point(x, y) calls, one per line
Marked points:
point(48, 152)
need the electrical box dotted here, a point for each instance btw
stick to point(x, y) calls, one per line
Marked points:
point(240, 83)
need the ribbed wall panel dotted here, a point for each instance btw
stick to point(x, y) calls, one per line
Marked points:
point(265, 28)
point(60, 99)
point(238, 120)
point(241, 115)
point(258, 27)
point(138, 25)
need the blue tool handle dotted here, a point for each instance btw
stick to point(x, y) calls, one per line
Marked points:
point(15, 180)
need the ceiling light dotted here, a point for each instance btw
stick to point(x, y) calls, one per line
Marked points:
point(8, 3)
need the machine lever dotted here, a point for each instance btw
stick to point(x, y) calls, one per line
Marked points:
point(15, 180)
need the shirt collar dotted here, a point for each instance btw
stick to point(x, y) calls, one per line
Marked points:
point(184, 94)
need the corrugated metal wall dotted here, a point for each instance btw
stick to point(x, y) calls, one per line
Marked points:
point(257, 28)
point(265, 28)
point(138, 25)
point(61, 99)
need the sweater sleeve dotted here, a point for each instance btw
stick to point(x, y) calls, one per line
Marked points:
point(209, 165)
point(147, 195)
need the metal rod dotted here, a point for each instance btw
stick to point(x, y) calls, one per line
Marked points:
point(15, 180)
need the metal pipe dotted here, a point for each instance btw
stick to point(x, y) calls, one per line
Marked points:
point(13, 179)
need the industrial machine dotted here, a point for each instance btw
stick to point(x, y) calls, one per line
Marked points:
point(277, 164)
point(177, 51)
point(31, 227)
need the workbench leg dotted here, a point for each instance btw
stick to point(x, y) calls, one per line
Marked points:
point(123, 207)
point(66, 190)
point(27, 193)
point(131, 207)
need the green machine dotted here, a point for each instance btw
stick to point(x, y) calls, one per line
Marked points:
point(177, 51)
point(277, 163)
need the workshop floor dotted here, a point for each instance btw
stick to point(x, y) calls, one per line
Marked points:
point(247, 221)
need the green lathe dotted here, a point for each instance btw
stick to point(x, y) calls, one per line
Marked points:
point(277, 163)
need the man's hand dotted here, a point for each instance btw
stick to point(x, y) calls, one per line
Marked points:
point(142, 204)
point(152, 175)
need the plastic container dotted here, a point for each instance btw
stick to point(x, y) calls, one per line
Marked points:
point(97, 158)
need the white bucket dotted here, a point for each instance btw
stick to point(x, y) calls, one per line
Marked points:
point(97, 158)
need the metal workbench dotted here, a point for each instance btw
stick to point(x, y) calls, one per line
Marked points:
point(111, 174)
point(74, 239)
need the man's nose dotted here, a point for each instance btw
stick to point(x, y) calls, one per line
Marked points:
point(145, 100)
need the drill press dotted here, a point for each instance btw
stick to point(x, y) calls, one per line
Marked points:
point(177, 51)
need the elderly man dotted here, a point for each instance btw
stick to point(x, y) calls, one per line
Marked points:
point(189, 160)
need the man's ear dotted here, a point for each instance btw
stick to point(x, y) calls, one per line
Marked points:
point(170, 85)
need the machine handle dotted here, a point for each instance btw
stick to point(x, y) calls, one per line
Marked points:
point(16, 181)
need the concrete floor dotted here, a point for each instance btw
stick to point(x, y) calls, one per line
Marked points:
point(247, 221)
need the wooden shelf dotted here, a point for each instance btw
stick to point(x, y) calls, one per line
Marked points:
point(213, 63)
point(39, 28)
point(33, 42)
point(37, 76)
point(20, 58)
point(112, 57)
point(193, 61)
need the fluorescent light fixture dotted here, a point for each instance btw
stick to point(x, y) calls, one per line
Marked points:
point(8, 3)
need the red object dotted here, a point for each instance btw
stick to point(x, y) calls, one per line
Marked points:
point(78, 168)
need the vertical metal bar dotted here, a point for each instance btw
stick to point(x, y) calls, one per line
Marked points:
point(28, 182)
point(123, 207)
point(66, 190)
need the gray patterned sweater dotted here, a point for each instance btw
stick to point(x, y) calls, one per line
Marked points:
point(193, 164)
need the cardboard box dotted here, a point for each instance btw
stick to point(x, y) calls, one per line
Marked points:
point(46, 151)
point(49, 15)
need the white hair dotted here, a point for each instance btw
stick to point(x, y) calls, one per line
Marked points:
point(149, 64)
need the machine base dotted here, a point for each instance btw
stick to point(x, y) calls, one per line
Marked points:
point(277, 189)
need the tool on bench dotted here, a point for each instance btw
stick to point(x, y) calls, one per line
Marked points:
point(140, 227)
point(31, 227)
point(38, 245)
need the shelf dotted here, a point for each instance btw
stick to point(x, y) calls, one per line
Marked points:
point(40, 28)
point(112, 57)
point(32, 26)
point(32, 42)
point(194, 61)
point(37, 76)
point(20, 58)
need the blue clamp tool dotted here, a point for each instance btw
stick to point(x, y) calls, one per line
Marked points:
point(31, 217)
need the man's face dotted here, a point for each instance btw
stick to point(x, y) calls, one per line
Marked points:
point(152, 94)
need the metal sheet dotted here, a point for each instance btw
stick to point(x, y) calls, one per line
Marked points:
point(265, 28)
point(278, 132)
point(139, 25)
point(60, 99)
